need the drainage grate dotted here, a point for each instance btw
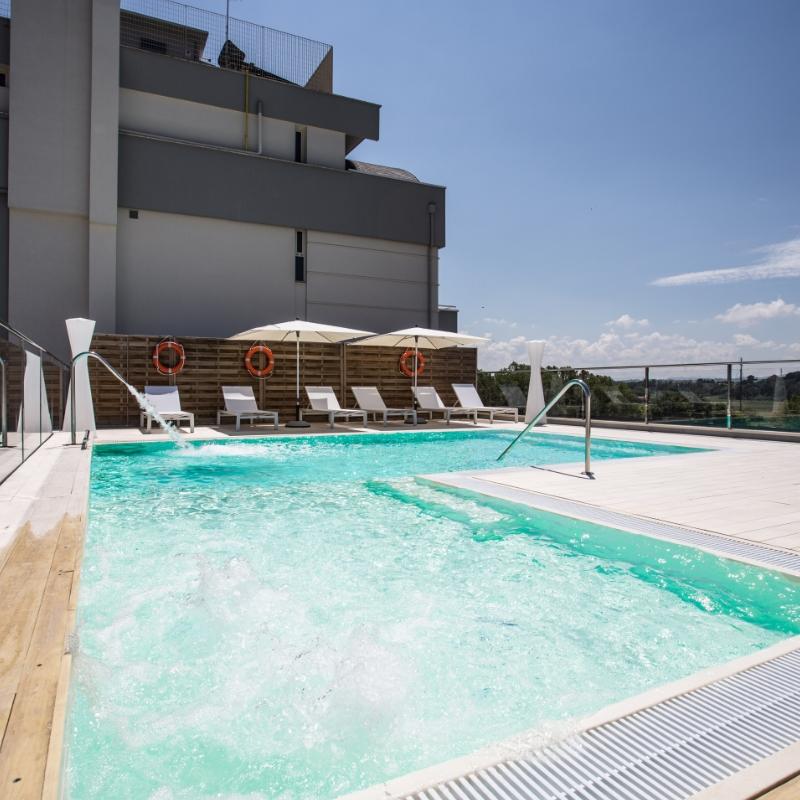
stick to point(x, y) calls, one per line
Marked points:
point(670, 751)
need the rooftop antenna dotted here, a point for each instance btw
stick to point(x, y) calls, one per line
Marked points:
point(227, 19)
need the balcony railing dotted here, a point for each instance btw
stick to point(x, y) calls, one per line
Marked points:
point(755, 395)
point(195, 34)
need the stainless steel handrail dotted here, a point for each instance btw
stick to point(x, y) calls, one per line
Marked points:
point(587, 393)
point(86, 354)
point(30, 341)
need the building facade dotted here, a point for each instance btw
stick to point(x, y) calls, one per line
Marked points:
point(168, 175)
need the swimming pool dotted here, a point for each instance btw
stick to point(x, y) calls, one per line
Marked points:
point(300, 617)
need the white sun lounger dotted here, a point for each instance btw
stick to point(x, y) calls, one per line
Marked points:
point(167, 401)
point(430, 403)
point(323, 401)
point(240, 402)
point(369, 399)
point(468, 397)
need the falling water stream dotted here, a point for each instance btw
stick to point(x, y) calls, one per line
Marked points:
point(148, 408)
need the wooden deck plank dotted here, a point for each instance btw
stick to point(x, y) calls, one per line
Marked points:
point(22, 583)
point(787, 791)
point(24, 751)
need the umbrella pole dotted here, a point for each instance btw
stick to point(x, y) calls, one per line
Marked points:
point(416, 370)
point(297, 422)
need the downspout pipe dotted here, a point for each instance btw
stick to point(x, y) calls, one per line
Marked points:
point(246, 143)
point(431, 229)
point(260, 112)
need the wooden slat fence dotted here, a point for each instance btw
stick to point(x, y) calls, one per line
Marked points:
point(212, 363)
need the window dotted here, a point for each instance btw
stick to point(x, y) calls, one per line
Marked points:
point(299, 147)
point(299, 257)
point(2, 79)
point(133, 213)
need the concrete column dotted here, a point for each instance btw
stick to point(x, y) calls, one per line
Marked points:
point(62, 110)
point(103, 156)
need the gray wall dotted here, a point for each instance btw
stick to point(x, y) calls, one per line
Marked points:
point(203, 83)
point(192, 276)
point(201, 181)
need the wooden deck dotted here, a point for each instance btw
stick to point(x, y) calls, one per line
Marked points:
point(38, 585)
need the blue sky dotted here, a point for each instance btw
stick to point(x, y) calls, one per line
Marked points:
point(591, 150)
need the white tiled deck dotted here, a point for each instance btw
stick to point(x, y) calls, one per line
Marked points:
point(743, 488)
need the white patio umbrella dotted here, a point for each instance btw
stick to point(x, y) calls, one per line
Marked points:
point(420, 337)
point(301, 331)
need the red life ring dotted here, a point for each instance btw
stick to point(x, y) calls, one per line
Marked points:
point(268, 366)
point(409, 356)
point(176, 348)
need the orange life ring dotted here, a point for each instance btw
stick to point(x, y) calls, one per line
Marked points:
point(267, 368)
point(177, 348)
point(409, 356)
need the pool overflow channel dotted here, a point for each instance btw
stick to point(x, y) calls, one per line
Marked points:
point(587, 394)
point(142, 401)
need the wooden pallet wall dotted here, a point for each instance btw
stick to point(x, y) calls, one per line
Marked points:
point(211, 363)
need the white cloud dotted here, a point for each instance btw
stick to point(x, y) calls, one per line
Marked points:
point(744, 340)
point(626, 321)
point(750, 313)
point(780, 260)
point(505, 323)
point(636, 347)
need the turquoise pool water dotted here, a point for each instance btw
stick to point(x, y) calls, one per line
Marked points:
point(301, 617)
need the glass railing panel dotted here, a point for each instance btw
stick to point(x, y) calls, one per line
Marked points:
point(766, 397)
point(12, 455)
point(689, 395)
point(34, 397)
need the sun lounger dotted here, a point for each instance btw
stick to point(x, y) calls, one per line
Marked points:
point(430, 403)
point(468, 397)
point(240, 402)
point(369, 399)
point(323, 401)
point(167, 402)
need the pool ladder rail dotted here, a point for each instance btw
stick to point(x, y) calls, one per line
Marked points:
point(587, 393)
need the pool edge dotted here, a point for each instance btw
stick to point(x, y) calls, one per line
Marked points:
point(766, 773)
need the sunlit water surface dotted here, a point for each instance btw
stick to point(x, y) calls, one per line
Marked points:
point(299, 618)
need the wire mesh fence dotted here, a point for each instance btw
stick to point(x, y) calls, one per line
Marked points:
point(195, 34)
point(756, 395)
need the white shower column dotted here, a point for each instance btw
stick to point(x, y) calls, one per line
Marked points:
point(80, 333)
point(535, 388)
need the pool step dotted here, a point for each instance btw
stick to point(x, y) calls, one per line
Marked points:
point(436, 501)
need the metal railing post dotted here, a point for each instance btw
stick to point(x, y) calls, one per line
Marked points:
point(646, 395)
point(587, 436)
point(3, 405)
point(73, 439)
point(728, 410)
